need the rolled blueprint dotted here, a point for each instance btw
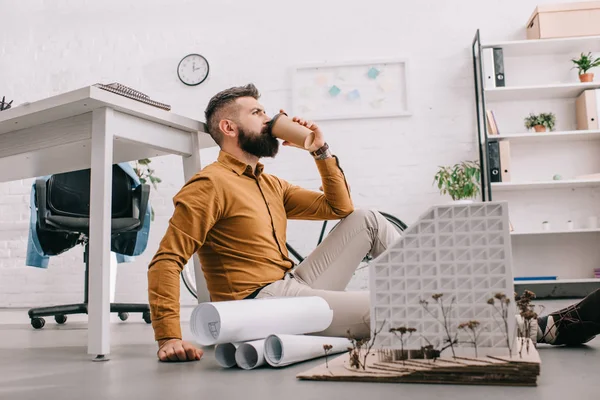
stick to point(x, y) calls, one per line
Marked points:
point(250, 355)
point(282, 350)
point(225, 354)
point(246, 320)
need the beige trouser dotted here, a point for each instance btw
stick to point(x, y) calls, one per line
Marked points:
point(328, 269)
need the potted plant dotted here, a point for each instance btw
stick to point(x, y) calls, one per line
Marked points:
point(584, 63)
point(540, 122)
point(460, 181)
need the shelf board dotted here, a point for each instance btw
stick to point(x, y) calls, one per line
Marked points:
point(540, 92)
point(560, 281)
point(518, 48)
point(559, 288)
point(538, 185)
point(533, 137)
point(561, 232)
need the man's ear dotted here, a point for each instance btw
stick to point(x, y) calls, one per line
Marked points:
point(228, 127)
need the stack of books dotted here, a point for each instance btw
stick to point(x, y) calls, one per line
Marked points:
point(597, 273)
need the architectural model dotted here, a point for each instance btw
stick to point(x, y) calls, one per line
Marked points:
point(443, 306)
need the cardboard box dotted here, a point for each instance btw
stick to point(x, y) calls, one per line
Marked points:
point(586, 109)
point(564, 20)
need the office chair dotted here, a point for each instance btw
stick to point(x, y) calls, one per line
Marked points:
point(63, 206)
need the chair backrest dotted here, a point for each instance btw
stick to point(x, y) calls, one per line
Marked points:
point(69, 193)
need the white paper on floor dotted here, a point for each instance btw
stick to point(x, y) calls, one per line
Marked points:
point(282, 350)
point(225, 354)
point(250, 355)
point(245, 320)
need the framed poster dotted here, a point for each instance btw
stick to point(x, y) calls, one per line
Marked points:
point(369, 89)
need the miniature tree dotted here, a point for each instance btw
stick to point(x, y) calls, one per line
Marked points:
point(472, 329)
point(430, 350)
point(528, 314)
point(360, 345)
point(502, 311)
point(403, 331)
point(446, 315)
point(326, 348)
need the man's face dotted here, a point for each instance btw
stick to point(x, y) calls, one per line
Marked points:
point(253, 136)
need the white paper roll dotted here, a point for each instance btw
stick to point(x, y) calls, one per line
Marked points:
point(250, 355)
point(282, 350)
point(245, 320)
point(225, 354)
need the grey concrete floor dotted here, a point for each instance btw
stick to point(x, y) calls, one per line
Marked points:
point(53, 363)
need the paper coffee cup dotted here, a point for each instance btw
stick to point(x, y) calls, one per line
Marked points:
point(282, 127)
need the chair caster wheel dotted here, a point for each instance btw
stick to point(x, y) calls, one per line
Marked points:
point(147, 317)
point(38, 323)
point(123, 316)
point(60, 319)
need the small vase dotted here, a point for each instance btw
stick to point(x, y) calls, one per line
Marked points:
point(546, 226)
point(540, 128)
point(589, 77)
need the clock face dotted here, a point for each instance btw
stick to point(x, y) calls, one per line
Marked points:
point(193, 69)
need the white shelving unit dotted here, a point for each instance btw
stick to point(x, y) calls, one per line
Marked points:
point(557, 232)
point(567, 136)
point(570, 255)
point(539, 185)
point(539, 92)
point(520, 48)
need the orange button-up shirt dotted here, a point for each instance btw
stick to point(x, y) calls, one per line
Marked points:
point(236, 220)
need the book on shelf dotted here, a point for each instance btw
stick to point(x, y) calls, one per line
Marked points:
point(492, 125)
point(535, 278)
point(126, 91)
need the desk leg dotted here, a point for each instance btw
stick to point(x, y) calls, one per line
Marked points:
point(191, 166)
point(100, 222)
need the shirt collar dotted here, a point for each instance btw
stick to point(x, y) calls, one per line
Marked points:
point(238, 166)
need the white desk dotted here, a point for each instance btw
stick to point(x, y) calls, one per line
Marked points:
point(94, 128)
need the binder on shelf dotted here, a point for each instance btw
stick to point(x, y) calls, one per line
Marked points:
point(499, 67)
point(504, 160)
point(499, 160)
point(487, 62)
point(494, 161)
point(586, 107)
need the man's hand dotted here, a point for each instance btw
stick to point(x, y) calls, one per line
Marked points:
point(178, 350)
point(319, 138)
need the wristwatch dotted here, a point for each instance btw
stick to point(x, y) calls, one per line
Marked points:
point(321, 151)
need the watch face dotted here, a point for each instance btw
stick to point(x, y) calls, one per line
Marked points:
point(193, 69)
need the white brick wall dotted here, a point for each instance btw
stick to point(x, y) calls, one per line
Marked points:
point(50, 47)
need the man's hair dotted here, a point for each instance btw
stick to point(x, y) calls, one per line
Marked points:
point(223, 101)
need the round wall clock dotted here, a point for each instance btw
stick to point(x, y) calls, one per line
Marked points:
point(193, 69)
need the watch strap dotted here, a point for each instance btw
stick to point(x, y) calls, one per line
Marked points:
point(320, 151)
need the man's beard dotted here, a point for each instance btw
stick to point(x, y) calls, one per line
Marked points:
point(261, 145)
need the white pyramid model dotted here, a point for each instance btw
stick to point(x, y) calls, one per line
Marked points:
point(462, 251)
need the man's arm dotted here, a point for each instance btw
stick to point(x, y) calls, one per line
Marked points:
point(197, 208)
point(334, 203)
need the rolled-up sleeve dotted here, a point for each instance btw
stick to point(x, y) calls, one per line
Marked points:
point(334, 203)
